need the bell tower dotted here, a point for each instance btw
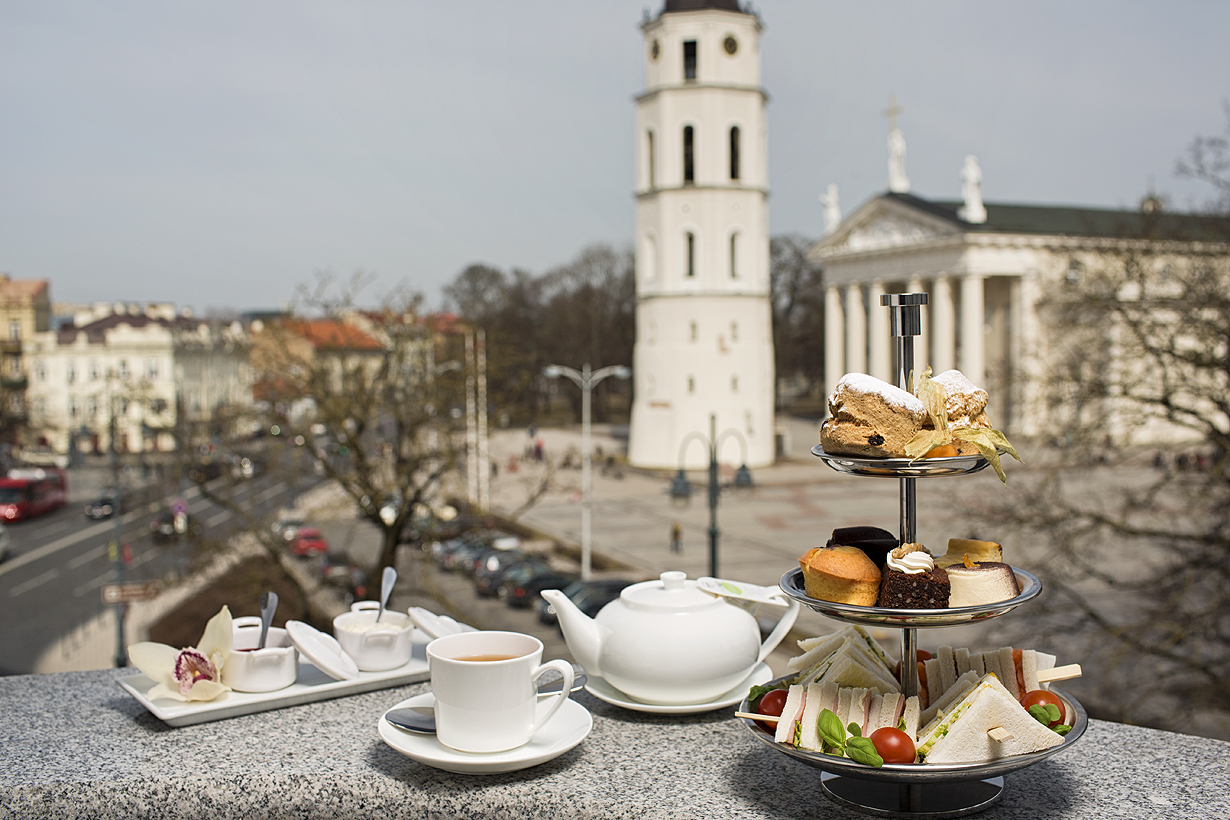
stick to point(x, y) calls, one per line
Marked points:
point(704, 336)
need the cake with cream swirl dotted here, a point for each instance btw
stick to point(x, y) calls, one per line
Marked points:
point(911, 580)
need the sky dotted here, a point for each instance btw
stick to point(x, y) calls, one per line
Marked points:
point(222, 154)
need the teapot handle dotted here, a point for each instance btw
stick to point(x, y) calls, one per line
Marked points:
point(779, 631)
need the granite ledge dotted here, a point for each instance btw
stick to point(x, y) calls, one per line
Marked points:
point(78, 746)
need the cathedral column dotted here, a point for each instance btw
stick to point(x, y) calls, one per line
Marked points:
point(834, 340)
point(880, 362)
point(856, 329)
point(973, 334)
point(943, 326)
point(922, 345)
point(1028, 370)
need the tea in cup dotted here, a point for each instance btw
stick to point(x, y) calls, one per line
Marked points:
point(486, 690)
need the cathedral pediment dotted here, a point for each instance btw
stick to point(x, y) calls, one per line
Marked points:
point(881, 224)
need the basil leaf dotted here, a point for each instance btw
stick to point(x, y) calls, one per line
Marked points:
point(757, 692)
point(855, 730)
point(1062, 729)
point(1052, 712)
point(1039, 714)
point(831, 729)
point(862, 750)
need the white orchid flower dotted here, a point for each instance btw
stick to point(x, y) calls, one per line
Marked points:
point(194, 673)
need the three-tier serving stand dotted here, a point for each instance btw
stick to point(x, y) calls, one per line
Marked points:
point(917, 790)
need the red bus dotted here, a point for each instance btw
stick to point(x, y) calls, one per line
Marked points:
point(28, 491)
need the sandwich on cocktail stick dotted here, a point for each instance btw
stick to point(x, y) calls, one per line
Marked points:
point(963, 735)
point(791, 712)
point(817, 698)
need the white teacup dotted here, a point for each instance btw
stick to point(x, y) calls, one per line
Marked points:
point(485, 685)
point(249, 669)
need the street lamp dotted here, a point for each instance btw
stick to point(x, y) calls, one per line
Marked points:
point(586, 381)
point(681, 490)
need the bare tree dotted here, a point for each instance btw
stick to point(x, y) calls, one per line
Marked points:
point(798, 311)
point(363, 389)
point(1133, 510)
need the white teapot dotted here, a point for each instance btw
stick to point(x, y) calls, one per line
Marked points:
point(667, 641)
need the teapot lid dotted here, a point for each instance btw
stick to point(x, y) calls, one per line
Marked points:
point(671, 591)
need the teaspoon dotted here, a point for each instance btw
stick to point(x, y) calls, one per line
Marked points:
point(422, 719)
point(269, 604)
point(386, 586)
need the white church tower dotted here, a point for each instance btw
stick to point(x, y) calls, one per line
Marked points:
point(704, 335)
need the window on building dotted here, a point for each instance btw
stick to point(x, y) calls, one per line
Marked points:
point(93, 371)
point(91, 407)
point(734, 384)
point(72, 407)
point(691, 260)
point(649, 157)
point(689, 171)
point(734, 255)
point(151, 369)
point(734, 153)
point(691, 384)
point(14, 330)
point(123, 407)
point(694, 331)
point(124, 369)
point(734, 331)
point(15, 366)
point(158, 406)
point(689, 59)
point(40, 371)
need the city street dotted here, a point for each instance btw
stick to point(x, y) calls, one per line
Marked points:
point(52, 616)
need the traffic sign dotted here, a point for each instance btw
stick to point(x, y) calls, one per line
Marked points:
point(129, 592)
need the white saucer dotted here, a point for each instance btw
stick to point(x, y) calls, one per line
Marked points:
point(571, 725)
point(602, 690)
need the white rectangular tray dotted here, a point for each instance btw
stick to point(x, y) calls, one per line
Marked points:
point(312, 685)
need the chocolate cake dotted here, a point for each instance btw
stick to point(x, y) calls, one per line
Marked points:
point(911, 580)
point(873, 541)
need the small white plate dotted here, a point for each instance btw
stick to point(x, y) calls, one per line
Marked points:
point(571, 724)
point(602, 690)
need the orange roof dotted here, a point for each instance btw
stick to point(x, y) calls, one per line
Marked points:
point(330, 333)
point(21, 288)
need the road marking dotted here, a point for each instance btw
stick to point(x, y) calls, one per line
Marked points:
point(218, 519)
point(87, 557)
point(33, 583)
point(93, 585)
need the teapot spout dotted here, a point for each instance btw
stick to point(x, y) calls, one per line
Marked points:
point(581, 632)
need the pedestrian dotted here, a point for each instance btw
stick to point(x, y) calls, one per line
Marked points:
point(676, 537)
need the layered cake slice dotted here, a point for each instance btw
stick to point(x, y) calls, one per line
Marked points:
point(984, 582)
point(911, 580)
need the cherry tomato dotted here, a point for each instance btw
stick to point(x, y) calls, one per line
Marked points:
point(771, 703)
point(1041, 697)
point(893, 745)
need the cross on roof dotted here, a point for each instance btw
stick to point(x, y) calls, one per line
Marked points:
point(892, 112)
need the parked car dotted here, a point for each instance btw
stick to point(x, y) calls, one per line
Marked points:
point(4, 542)
point(522, 584)
point(106, 505)
point(169, 526)
point(288, 525)
point(308, 542)
point(337, 570)
point(490, 574)
point(589, 596)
